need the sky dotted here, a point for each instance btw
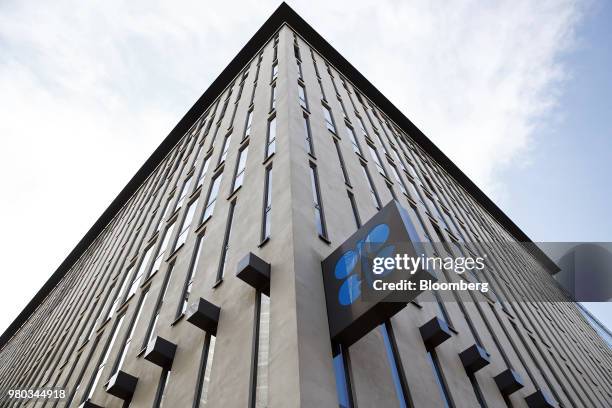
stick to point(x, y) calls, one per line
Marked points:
point(516, 92)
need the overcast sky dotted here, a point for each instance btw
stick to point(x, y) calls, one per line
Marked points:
point(515, 92)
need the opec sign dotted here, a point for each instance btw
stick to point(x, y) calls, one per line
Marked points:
point(347, 274)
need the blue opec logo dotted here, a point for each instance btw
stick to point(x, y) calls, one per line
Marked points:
point(360, 259)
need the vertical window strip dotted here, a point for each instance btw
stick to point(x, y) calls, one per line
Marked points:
point(355, 144)
point(397, 369)
point(271, 137)
point(186, 224)
point(258, 392)
point(226, 240)
point(190, 277)
point(224, 149)
point(203, 382)
point(266, 225)
point(91, 388)
point(160, 395)
point(128, 340)
point(342, 371)
point(212, 197)
point(249, 122)
point(302, 96)
point(184, 192)
point(135, 280)
point(354, 208)
point(318, 206)
point(240, 168)
point(308, 134)
point(329, 119)
point(437, 371)
point(161, 252)
point(373, 193)
point(341, 161)
point(124, 284)
point(273, 97)
point(151, 330)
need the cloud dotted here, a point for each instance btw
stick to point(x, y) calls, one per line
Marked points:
point(90, 89)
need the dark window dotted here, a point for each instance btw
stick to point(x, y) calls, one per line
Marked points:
point(160, 395)
point(354, 208)
point(318, 206)
point(341, 161)
point(91, 388)
point(226, 240)
point(190, 276)
point(128, 340)
point(271, 140)
point(308, 135)
point(203, 381)
point(273, 97)
point(373, 193)
point(435, 365)
point(267, 207)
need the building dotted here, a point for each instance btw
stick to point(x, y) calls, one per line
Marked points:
point(286, 154)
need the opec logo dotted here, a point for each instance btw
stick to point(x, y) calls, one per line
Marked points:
point(360, 259)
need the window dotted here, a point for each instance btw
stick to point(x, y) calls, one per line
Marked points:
point(212, 197)
point(190, 276)
point(274, 70)
point(261, 351)
point(249, 122)
point(203, 382)
point(329, 120)
point(186, 224)
point(225, 148)
point(267, 207)
point(308, 135)
point(376, 159)
point(299, 67)
point(162, 249)
point(373, 193)
point(271, 140)
point(160, 396)
point(203, 171)
point(353, 139)
point(398, 160)
point(226, 240)
point(184, 192)
point(361, 125)
point(343, 379)
point(273, 97)
point(318, 207)
point(341, 160)
point(397, 371)
point(355, 210)
point(140, 273)
point(128, 340)
point(160, 300)
point(240, 167)
point(118, 294)
point(109, 345)
point(302, 96)
point(400, 182)
point(435, 365)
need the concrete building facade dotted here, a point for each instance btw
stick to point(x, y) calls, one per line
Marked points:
point(287, 154)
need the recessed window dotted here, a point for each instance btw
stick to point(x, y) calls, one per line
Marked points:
point(225, 148)
point(212, 197)
point(226, 240)
point(190, 276)
point(329, 120)
point(240, 168)
point(128, 341)
point(249, 122)
point(274, 70)
point(376, 158)
point(318, 206)
point(341, 161)
point(271, 137)
point(307, 134)
point(203, 171)
point(186, 224)
point(266, 225)
point(273, 97)
point(373, 193)
point(302, 96)
point(184, 192)
point(353, 139)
